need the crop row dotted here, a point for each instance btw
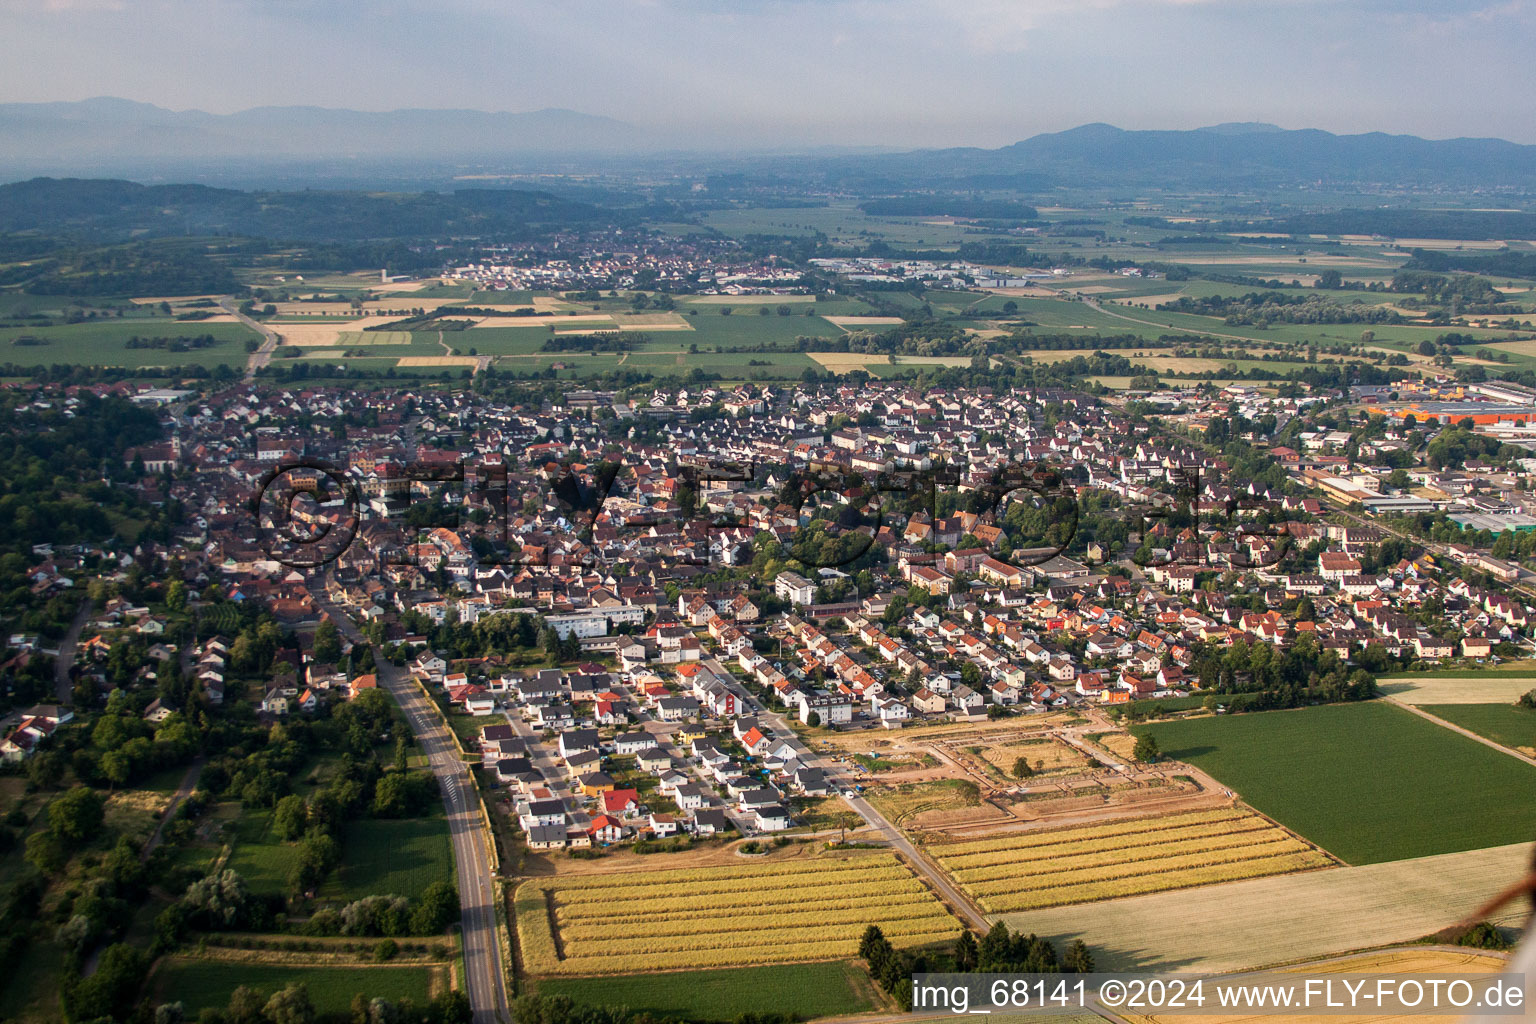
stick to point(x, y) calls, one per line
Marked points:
point(1090, 892)
point(626, 963)
point(896, 888)
point(751, 940)
point(1013, 853)
point(658, 909)
point(701, 925)
point(1149, 870)
point(1110, 858)
point(894, 879)
point(771, 870)
point(1129, 826)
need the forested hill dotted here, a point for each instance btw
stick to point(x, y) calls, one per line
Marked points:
point(110, 210)
point(1226, 156)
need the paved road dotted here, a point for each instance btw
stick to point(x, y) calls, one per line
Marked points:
point(63, 685)
point(270, 339)
point(484, 974)
point(862, 807)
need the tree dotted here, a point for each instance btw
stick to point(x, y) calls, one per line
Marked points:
point(1146, 749)
point(290, 818)
point(76, 816)
point(813, 719)
point(437, 908)
point(176, 600)
point(289, 1005)
point(965, 951)
point(327, 645)
point(1021, 768)
point(1079, 959)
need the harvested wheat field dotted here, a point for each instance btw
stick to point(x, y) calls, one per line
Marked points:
point(1486, 689)
point(847, 322)
point(651, 322)
point(1396, 963)
point(1284, 919)
point(437, 361)
point(1123, 858)
point(755, 913)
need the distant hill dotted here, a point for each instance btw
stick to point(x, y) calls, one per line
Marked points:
point(1229, 155)
point(108, 129)
point(109, 137)
point(107, 210)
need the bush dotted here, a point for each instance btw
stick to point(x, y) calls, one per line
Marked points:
point(385, 951)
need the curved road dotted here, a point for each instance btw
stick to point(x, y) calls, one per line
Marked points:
point(485, 979)
point(270, 338)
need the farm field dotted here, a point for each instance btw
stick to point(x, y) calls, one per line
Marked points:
point(714, 916)
point(1361, 779)
point(105, 343)
point(843, 362)
point(1397, 963)
point(402, 857)
point(1032, 870)
point(1508, 725)
point(1285, 918)
point(808, 991)
point(199, 984)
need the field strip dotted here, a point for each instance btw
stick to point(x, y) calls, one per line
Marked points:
point(846, 322)
point(731, 300)
point(545, 320)
point(1468, 733)
point(1487, 689)
point(1283, 918)
point(438, 361)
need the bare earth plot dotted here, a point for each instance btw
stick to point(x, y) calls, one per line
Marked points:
point(1257, 922)
point(1488, 689)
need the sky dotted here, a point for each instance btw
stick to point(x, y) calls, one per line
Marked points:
point(909, 73)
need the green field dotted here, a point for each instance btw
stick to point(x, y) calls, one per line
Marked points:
point(259, 857)
point(199, 984)
point(387, 856)
point(104, 343)
point(1367, 782)
point(807, 991)
point(1509, 725)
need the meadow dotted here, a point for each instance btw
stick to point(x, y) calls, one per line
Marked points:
point(202, 984)
point(105, 343)
point(1509, 725)
point(752, 914)
point(808, 991)
point(1363, 781)
point(393, 856)
point(1124, 858)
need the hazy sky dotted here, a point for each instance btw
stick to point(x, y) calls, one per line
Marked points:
point(893, 72)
